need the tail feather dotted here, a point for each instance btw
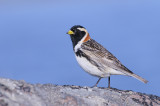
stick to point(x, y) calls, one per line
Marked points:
point(139, 78)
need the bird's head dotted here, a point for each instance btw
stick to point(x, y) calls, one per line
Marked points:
point(78, 34)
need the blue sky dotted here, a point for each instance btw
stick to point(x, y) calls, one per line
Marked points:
point(34, 45)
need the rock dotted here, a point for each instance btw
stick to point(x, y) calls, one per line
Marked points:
point(20, 93)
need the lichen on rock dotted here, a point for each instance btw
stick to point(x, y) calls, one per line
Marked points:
point(20, 93)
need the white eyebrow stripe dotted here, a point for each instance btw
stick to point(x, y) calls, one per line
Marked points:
point(81, 41)
point(82, 29)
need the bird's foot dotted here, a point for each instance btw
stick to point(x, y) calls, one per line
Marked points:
point(94, 86)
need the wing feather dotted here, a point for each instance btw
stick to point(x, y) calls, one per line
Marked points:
point(99, 53)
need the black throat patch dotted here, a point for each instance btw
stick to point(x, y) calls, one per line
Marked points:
point(77, 37)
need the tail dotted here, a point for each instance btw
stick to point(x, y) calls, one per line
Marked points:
point(139, 78)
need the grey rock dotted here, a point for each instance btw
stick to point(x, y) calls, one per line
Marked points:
point(20, 93)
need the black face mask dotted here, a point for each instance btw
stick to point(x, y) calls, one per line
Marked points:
point(77, 36)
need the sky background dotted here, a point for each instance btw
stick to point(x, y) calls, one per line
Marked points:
point(34, 45)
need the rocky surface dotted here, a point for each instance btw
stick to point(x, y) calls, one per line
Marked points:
point(20, 93)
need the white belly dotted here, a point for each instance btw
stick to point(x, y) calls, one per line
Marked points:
point(93, 70)
point(90, 68)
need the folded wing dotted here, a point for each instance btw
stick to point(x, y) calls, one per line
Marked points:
point(105, 58)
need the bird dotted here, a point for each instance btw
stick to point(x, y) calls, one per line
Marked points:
point(94, 58)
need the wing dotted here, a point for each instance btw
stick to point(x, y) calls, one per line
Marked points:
point(103, 56)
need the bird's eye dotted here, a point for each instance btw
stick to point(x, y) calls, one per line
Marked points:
point(73, 30)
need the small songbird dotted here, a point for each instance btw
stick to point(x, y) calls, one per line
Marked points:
point(94, 58)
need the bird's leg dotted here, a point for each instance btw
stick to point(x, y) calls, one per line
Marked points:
point(109, 82)
point(97, 82)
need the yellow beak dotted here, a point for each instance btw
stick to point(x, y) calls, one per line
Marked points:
point(70, 32)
